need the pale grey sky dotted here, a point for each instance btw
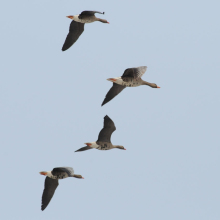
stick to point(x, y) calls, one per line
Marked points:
point(51, 105)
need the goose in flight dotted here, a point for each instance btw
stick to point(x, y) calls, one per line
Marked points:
point(130, 78)
point(104, 138)
point(51, 182)
point(77, 26)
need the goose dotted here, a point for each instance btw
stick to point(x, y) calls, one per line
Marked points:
point(77, 26)
point(130, 78)
point(104, 138)
point(51, 182)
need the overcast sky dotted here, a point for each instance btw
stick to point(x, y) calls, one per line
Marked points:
point(50, 105)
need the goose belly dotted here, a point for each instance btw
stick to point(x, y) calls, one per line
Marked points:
point(128, 81)
point(62, 176)
point(104, 147)
point(131, 83)
point(85, 20)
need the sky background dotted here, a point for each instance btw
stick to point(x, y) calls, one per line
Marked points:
point(50, 105)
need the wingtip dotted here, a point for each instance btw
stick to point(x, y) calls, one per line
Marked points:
point(106, 116)
point(103, 103)
point(65, 47)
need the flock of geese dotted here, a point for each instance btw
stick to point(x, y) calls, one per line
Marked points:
point(130, 78)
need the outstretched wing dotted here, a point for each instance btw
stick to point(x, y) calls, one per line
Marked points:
point(69, 170)
point(108, 129)
point(50, 186)
point(75, 30)
point(134, 72)
point(115, 90)
point(84, 148)
point(85, 14)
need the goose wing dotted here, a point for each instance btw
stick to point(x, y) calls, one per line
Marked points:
point(84, 148)
point(136, 72)
point(75, 30)
point(115, 90)
point(85, 14)
point(69, 170)
point(50, 186)
point(108, 129)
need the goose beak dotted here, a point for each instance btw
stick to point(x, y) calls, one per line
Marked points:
point(88, 144)
point(112, 79)
point(158, 87)
point(70, 16)
point(43, 173)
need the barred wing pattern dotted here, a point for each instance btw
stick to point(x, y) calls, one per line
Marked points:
point(69, 170)
point(134, 72)
point(86, 14)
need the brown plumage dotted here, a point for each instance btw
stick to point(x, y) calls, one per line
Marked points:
point(130, 78)
point(77, 26)
point(104, 138)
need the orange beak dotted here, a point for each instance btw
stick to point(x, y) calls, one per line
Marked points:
point(88, 144)
point(70, 16)
point(158, 87)
point(112, 79)
point(43, 173)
